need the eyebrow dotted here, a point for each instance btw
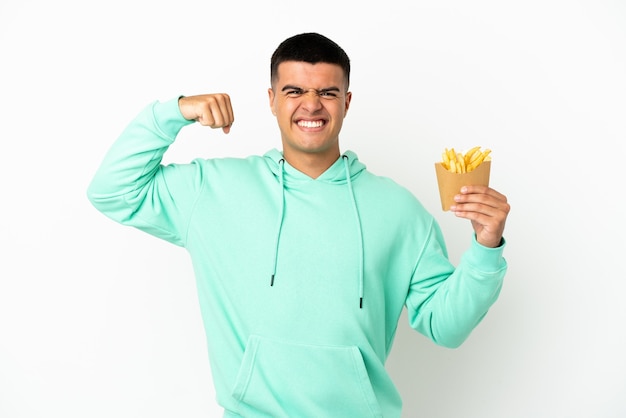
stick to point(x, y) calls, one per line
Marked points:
point(292, 87)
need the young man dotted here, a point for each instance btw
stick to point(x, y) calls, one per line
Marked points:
point(304, 259)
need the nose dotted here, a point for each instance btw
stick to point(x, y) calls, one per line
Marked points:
point(311, 99)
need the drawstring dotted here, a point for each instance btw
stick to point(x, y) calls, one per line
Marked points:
point(358, 224)
point(281, 179)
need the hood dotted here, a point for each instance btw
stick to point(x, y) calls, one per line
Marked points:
point(346, 169)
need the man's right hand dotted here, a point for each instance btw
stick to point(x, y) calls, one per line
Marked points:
point(213, 110)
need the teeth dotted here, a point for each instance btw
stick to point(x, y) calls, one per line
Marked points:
point(310, 124)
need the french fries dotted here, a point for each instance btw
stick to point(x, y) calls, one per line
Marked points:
point(457, 162)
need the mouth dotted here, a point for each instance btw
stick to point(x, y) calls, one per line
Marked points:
point(311, 124)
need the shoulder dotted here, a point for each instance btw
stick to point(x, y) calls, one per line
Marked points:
point(384, 191)
point(218, 170)
point(385, 185)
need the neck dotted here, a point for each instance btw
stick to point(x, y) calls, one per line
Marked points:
point(311, 164)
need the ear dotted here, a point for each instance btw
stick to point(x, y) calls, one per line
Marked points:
point(271, 96)
point(347, 102)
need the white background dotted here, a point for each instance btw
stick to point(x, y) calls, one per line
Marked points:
point(100, 320)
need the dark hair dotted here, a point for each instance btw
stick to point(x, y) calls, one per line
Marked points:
point(312, 48)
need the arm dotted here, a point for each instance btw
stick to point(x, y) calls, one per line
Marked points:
point(446, 303)
point(447, 308)
point(132, 187)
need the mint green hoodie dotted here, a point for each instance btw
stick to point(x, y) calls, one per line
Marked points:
point(301, 281)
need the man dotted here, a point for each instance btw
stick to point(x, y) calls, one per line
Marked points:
point(304, 259)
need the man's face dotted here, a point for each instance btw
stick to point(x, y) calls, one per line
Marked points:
point(310, 102)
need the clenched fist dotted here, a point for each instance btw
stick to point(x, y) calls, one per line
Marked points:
point(213, 110)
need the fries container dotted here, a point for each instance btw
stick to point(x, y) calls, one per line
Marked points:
point(450, 183)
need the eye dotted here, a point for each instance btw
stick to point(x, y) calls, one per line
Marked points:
point(328, 94)
point(294, 92)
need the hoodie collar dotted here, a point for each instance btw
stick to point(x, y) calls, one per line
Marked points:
point(336, 173)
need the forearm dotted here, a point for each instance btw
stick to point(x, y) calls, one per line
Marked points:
point(448, 307)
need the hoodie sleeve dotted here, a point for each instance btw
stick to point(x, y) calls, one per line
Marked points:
point(132, 187)
point(446, 303)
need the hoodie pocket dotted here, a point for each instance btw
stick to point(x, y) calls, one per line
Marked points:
point(283, 379)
